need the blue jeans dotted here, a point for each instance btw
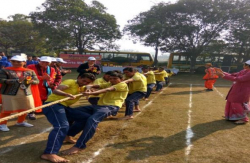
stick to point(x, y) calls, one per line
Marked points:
point(58, 116)
point(159, 85)
point(167, 80)
point(131, 100)
point(95, 115)
point(149, 89)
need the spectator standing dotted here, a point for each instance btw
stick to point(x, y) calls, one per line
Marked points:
point(59, 63)
point(30, 61)
point(16, 91)
point(46, 76)
point(89, 67)
point(58, 75)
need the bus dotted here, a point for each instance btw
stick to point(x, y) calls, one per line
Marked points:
point(181, 61)
point(109, 58)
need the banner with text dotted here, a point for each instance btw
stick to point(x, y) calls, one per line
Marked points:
point(74, 60)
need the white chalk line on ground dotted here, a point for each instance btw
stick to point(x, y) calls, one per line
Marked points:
point(98, 152)
point(189, 132)
point(26, 140)
point(217, 85)
point(222, 95)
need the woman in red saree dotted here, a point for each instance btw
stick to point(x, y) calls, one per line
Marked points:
point(237, 105)
point(18, 87)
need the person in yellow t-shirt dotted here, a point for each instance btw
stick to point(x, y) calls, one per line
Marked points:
point(160, 80)
point(150, 80)
point(93, 99)
point(137, 84)
point(114, 94)
point(59, 114)
point(167, 77)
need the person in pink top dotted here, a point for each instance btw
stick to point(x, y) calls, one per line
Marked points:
point(237, 105)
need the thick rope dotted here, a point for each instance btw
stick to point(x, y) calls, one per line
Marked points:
point(39, 107)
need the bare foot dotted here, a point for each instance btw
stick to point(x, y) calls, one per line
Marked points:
point(69, 139)
point(127, 117)
point(146, 99)
point(137, 110)
point(53, 158)
point(154, 92)
point(71, 151)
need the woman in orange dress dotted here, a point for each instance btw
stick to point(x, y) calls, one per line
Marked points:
point(210, 77)
point(17, 92)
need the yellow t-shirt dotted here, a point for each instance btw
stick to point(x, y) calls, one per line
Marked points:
point(160, 76)
point(73, 89)
point(139, 84)
point(150, 77)
point(167, 74)
point(98, 82)
point(114, 98)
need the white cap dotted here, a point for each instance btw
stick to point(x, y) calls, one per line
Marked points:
point(91, 59)
point(247, 62)
point(18, 58)
point(53, 59)
point(60, 60)
point(45, 59)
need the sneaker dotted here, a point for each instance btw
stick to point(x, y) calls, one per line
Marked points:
point(32, 116)
point(4, 128)
point(24, 124)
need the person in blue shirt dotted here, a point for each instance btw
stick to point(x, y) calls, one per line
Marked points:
point(35, 59)
point(4, 62)
point(30, 61)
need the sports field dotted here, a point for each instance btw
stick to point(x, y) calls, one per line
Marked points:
point(183, 123)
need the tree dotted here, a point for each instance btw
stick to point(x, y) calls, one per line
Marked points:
point(19, 34)
point(195, 24)
point(188, 26)
point(72, 23)
point(239, 34)
point(148, 27)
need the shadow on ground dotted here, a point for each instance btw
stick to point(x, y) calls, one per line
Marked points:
point(157, 145)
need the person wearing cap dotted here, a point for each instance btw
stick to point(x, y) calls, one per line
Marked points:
point(58, 75)
point(19, 91)
point(237, 105)
point(46, 76)
point(59, 63)
point(89, 67)
point(210, 77)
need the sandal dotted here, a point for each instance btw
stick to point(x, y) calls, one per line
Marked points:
point(240, 122)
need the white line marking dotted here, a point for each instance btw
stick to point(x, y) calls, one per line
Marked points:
point(189, 132)
point(222, 95)
point(26, 140)
point(98, 152)
point(220, 85)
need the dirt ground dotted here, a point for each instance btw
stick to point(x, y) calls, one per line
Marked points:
point(183, 123)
